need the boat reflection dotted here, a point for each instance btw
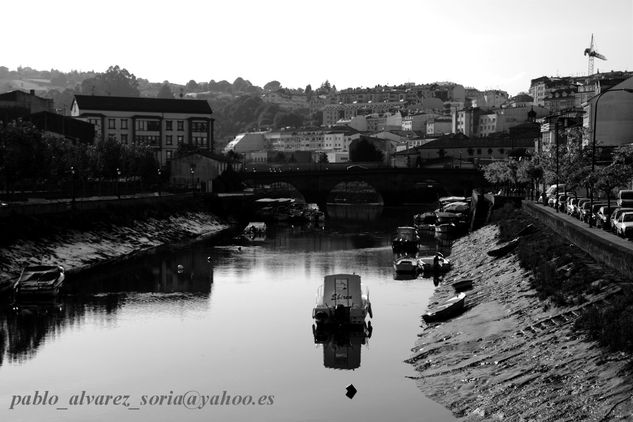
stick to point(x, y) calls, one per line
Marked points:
point(342, 345)
point(27, 323)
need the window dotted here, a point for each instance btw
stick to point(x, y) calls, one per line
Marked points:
point(181, 125)
point(111, 124)
point(123, 123)
point(124, 138)
point(169, 155)
point(153, 125)
point(94, 122)
point(168, 140)
point(501, 151)
point(199, 126)
point(169, 124)
point(478, 151)
point(140, 125)
point(180, 139)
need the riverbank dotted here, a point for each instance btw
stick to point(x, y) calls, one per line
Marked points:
point(79, 249)
point(516, 353)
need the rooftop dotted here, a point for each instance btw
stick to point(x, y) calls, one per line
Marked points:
point(142, 104)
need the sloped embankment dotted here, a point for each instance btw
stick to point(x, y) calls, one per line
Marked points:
point(514, 354)
point(77, 249)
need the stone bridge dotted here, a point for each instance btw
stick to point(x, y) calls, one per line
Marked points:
point(396, 186)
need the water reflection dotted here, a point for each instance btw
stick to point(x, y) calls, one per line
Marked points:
point(342, 345)
point(28, 323)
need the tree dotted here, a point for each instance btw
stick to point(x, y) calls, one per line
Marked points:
point(165, 91)
point(283, 119)
point(115, 81)
point(272, 86)
point(308, 92)
point(192, 86)
point(364, 150)
point(610, 177)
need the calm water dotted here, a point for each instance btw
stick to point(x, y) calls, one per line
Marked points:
point(240, 323)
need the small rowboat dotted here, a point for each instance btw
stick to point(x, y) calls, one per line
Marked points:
point(529, 229)
point(501, 251)
point(453, 306)
point(461, 285)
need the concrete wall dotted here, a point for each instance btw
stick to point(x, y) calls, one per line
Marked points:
point(601, 248)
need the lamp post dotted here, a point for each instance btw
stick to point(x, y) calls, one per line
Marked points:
point(118, 176)
point(557, 164)
point(193, 191)
point(159, 180)
point(594, 124)
point(72, 172)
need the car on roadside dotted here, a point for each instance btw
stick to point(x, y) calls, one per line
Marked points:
point(571, 205)
point(579, 206)
point(603, 217)
point(615, 215)
point(586, 210)
point(624, 225)
point(592, 213)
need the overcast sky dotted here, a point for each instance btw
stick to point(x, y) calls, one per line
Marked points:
point(484, 43)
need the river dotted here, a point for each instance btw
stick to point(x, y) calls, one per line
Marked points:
point(237, 320)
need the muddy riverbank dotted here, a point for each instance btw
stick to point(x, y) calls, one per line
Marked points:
point(80, 249)
point(515, 354)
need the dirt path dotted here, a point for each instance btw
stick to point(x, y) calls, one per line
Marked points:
point(512, 356)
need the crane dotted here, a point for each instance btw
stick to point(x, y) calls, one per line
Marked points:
point(591, 52)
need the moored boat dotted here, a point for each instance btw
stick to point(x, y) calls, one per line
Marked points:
point(452, 307)
point(405, 240)
point(342, 300)
point(506, 248)
point(407, 265)
point(40, 280)
point(462, 285)
point(435, 262)
point(425, 222)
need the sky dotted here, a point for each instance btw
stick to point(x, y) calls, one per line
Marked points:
point(486, 44)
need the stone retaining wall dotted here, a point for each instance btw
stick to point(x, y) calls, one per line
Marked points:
point(604, 248)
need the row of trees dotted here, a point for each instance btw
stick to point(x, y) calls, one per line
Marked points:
point(569, 163)
point(32, 160)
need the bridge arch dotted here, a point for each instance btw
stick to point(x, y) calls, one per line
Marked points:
point(355, 190)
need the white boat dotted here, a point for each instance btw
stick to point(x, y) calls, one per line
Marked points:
point(342, 300)
point(435, 262)
point(40, 280)
point(406, 265)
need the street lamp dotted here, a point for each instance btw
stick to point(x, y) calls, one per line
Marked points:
point(72, 172)
point(593, 140)
point(118, 176)
point(192, 171)
point(159, 180)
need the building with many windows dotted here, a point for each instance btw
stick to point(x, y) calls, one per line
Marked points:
point(161, 123)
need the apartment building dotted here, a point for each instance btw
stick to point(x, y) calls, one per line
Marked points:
point(335, 112)
point(162, 124)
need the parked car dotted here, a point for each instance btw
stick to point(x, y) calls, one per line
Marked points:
point(602, 217)
point(592, 214)
point(624, 225)
point(571, 205)
point(555, 201)
point(625, 198)
point(616, 214)
point(579, 206)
